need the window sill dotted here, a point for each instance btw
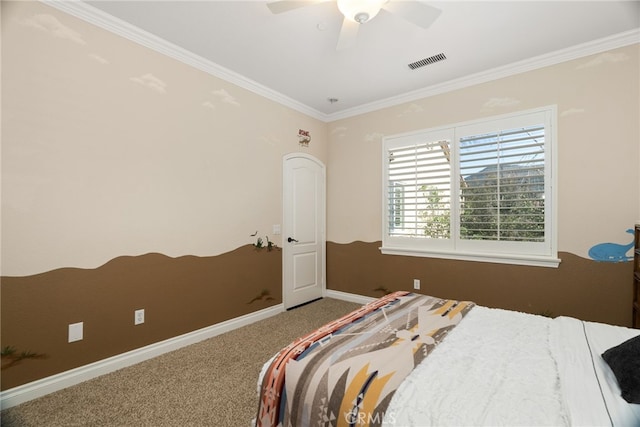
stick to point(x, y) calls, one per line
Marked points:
point(530, 260)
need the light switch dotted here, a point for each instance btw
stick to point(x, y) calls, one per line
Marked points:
point(276, 229)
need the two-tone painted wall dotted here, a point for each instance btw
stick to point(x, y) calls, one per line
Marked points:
point(598, 143)
point(132, 180)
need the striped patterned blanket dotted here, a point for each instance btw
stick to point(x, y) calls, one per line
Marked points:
point(345, 373)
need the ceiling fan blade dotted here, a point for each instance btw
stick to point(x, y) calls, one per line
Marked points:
point(418, 13)
point(348, 34)
point(280, 6)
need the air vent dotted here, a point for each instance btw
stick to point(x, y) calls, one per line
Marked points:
point(427, 61)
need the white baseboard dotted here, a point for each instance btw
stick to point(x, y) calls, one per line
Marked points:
point(345, 296)
point(35, 389)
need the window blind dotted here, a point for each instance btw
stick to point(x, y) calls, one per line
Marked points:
point(481, 190)
point(419, 190)
point(502, 185)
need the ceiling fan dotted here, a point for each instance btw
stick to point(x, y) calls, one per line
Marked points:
point(357, 12)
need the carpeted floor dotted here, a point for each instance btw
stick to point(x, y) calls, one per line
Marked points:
point(211, 383)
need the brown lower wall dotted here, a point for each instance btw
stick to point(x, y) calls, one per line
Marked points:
point(579, 287)
point(184, 294)
point(179, 295)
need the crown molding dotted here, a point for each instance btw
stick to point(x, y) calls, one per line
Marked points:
point(92, 15)
point(95, 16)
point(530, 64)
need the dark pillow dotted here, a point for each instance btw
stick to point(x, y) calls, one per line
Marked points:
point(624, 361)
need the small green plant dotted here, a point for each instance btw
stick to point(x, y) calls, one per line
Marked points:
point(11, 356)
point(270, 244)
point(259, 244)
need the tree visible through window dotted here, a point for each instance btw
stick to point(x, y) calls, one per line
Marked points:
point(435, 216)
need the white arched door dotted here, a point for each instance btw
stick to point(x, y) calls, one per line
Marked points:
point(303, 234)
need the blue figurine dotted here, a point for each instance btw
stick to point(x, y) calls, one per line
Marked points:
point(611, 252)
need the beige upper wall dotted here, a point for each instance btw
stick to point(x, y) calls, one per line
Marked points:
point(598, 102)
point(110, 149)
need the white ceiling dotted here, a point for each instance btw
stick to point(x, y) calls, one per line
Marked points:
point(289, 55)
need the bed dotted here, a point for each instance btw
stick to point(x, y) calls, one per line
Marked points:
point(414, 360)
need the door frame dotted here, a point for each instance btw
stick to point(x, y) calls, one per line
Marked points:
point(286, 232)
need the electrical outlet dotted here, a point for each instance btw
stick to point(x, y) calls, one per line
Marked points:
point(416, 283)
point(138, 317)
point(75, 332)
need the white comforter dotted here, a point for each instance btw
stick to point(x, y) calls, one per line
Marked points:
point(590, 390)
point(505, 368)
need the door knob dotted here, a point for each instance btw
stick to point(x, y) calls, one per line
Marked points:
point(291, 239)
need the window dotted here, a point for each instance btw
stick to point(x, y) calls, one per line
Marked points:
point(482, 190)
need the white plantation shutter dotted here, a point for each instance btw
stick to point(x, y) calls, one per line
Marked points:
point(502, 185)
point(419, 190)
point(480, 190)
